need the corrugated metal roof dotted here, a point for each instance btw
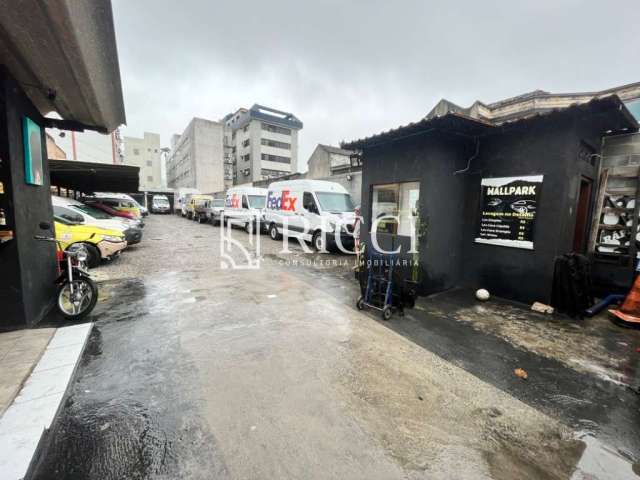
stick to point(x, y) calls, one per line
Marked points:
point(458, 123)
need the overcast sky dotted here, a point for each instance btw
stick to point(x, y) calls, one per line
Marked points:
point(349, 69)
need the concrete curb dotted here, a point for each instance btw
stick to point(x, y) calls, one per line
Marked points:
point(37, 404)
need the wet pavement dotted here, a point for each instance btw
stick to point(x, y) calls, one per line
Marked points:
point(196, 371)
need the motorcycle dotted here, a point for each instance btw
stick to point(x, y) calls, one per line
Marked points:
point(77, 294)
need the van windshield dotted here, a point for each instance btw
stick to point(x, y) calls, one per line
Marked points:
point(218, 203)
point(161, 201)
point(335, 202)
point(257, 201)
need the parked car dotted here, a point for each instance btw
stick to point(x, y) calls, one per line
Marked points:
point(201, 206)
point(73, 210)
point(100, 243)
point(217, 206)
point(117, 201)
point(244, 205)
point(196, 201)
point(160, 204)
point(113, 212)
point(314, 210)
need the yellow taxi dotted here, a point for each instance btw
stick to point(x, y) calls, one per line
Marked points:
point(100, 243)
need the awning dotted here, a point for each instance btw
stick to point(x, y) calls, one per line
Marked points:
point(63, 53)
point(91, 177)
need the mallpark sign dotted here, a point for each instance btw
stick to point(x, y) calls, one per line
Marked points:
point(513, 190)
point(508, 207)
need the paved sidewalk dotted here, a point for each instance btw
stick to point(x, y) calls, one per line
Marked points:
point(41, 365)
point(20, 351)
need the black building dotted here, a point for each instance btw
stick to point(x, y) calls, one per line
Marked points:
point(496, 201)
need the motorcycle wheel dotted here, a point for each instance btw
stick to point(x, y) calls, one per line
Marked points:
point(84, 298)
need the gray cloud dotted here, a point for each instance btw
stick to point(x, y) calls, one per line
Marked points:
point(350, 69)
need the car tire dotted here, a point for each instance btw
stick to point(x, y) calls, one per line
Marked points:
point(273, 232)
point(248, 227)
point(93, 255)
point(316, 241)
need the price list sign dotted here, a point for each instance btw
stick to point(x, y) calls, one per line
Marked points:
point(508, 211)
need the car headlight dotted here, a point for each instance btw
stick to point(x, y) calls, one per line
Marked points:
point(112, 238)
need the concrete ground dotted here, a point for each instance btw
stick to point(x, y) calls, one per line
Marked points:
point(20, 351)
point(198, 371)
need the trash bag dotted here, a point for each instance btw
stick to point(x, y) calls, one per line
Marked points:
point(572, 285)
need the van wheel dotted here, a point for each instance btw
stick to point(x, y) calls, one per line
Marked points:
point(273, 232)
point(248, 227)
point(317, 242)
point(93, 255)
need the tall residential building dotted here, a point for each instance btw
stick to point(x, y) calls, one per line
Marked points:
point(145, 153)
point(261, 143)
point(196, 157)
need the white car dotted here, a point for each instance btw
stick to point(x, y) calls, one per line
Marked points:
point(73, 210)
point(317, 211)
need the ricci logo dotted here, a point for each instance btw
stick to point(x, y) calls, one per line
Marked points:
point(281, 201)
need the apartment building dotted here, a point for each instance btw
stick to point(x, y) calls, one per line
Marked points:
point(145, 153)
point(260, 143)
point(196, 159)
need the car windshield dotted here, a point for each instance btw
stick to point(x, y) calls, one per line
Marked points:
point(257, 201)
point(218, 203)
point(94, 212)
point(335, 202)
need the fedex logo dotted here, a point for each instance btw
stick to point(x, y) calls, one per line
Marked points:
point(281, 201)
point(233, 201)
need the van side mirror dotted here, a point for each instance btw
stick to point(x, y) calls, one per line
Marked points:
point(45, 226)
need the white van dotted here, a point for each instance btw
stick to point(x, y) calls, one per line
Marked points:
point(243, 205)
point(181, 199)
point(160, 204)
point(314, 210)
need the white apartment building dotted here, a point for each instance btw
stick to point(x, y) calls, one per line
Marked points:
point(196, 157)
point(145, 153)
point(260, 143)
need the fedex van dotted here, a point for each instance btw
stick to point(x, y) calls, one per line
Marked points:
point(243, 205)
point(317, 211)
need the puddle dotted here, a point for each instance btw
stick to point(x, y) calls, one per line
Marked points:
point(601, 462)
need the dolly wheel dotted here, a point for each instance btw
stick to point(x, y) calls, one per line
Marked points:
point(386, 313)
point(360, 303)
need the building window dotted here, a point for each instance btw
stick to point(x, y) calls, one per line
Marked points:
point(246, 143)
point(398, 200)
point(136, 151)
point(149, 178)
point(246, 158)
point(149, 163)
point(246, 128)
point(275, 158)
point(269, 173)
point(275, 144)
point(275, 129)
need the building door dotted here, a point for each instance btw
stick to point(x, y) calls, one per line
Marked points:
point(581, 233)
